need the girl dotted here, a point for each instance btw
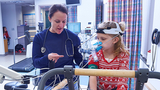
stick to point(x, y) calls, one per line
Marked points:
point(5, 35)
point(112, 56)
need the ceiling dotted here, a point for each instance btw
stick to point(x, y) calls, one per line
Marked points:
point(46, 8)
point(18, 2)
point(24, 3)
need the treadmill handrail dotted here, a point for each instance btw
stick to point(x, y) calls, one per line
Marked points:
point(94, 72)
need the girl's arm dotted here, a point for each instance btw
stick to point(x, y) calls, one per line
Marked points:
point(124, 65)
point(93, 83)
point(92, 79)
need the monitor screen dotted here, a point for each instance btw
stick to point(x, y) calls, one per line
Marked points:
point(72, 2)
point(75, 27)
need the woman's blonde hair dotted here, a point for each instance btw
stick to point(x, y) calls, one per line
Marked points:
point(119, 46)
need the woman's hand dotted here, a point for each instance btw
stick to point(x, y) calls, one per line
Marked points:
point(54, 56)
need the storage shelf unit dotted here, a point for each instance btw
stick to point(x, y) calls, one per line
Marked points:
point(20, 32)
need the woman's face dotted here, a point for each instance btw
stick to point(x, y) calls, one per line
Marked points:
point(106, 38)
point(58, 22)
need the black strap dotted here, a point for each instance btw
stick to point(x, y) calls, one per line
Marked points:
point(51, 64)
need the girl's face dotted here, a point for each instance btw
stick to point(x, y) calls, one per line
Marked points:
point(108, 39)
point(5, 29)
point(58, 22)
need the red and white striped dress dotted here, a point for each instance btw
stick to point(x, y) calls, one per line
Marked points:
point(120, 62)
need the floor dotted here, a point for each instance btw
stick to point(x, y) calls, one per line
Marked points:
point(8, 60)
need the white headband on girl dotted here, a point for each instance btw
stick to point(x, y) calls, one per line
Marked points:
point(110, 30)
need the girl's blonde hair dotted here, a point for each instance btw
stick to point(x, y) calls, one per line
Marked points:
point(119, 46)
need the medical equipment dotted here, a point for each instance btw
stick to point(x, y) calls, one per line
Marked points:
point(40, 25)
point(155, 40)
point(89, 30)
point(24, 65)
point(43, 49)
point(27, 31)
point(142, 75)
point(96, 48)
point(87, 40)
point(155, 36)
point(1, 78)
point(13, 75)
point(75, 27)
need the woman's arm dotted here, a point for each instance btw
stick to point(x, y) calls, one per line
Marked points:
point(77, 55)
point(93, 83)
point(39, 60)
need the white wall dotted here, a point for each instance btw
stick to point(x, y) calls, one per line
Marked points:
point(39, 3)
point(27, 10)
point(105, 7)
point(19, 15)
point(147, 23)
point(2, 52)
point(43, 17)
point(150, 12)
point(156, 24)
point(86, 12)
point(9, 20)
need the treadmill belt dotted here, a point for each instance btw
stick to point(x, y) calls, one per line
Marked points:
point(26, 65)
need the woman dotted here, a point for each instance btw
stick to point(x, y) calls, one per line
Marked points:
point(49, 45)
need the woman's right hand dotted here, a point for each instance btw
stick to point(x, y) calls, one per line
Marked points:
point(54, 56)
